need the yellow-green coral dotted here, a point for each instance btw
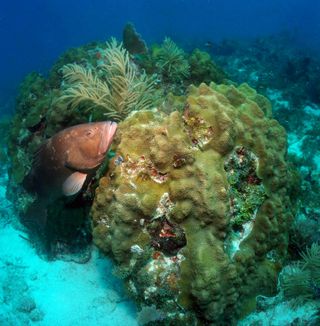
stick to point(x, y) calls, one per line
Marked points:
point(168, 177)
point(203, 69)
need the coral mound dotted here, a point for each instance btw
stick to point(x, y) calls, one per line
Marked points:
point(165, 210)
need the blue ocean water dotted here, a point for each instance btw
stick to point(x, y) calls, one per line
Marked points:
point(35, 33)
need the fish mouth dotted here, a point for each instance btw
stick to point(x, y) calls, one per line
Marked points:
point(108, 130)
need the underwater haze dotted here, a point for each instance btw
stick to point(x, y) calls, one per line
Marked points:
point(35, 33)
point(160, 162)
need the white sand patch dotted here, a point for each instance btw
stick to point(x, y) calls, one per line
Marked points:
point(67, 293)
point(281, 315)
point(57, 293)
point(295, 144)
point(315, 111)
point(316, 160)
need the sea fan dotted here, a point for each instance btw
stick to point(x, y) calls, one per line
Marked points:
point(311, 260)
point(171, 61)
point(301, 281)
point(113, 86)
point(84, 86)
point(296, 284)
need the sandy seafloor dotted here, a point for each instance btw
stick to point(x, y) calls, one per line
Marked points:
point(38, 292)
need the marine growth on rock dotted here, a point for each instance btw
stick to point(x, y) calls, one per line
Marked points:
point(170, 208)
point(195, 199)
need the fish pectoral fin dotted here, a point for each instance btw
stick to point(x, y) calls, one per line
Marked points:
point(73, 183)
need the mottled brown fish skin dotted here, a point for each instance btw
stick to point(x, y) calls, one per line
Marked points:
point(75, 151)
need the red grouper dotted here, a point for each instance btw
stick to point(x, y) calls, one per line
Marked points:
point(66, 161)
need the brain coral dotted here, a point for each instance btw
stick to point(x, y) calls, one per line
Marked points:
point(165, 208)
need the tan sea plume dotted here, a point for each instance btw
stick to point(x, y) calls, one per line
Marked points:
point(114, 86)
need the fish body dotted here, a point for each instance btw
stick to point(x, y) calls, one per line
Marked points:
point(65, 161)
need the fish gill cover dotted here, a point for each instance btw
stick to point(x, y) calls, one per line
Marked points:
point(197, 200)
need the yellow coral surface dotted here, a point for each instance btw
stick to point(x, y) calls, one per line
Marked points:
point(166, 195)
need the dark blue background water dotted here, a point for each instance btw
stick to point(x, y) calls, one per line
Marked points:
point(33, 33)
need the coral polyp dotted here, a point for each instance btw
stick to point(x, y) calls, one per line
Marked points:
point(205, 194)
point(195, 199)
